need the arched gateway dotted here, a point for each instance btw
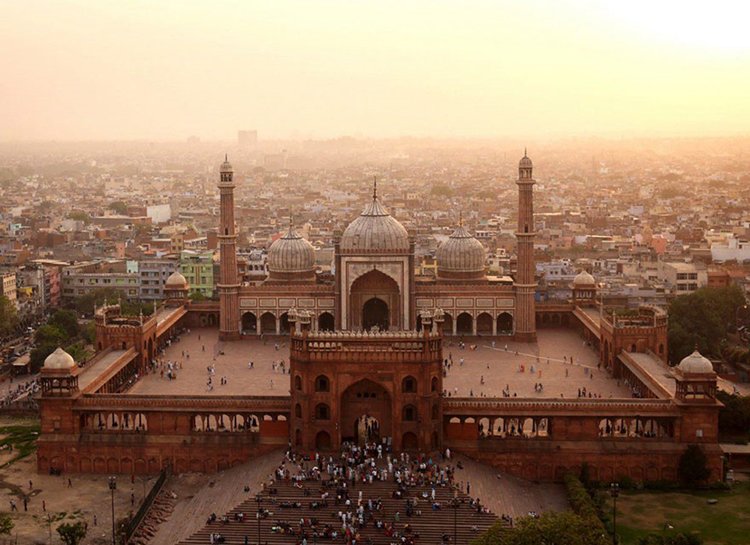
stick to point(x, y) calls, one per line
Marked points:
point(375, 302)
point(365, 412)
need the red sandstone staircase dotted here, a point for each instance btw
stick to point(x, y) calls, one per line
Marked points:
point(431, 526)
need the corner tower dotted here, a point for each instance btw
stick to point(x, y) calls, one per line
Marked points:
point(229, 312)
point(525, 284)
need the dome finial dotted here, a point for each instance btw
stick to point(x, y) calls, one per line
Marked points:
point(460, 218)
point(374, 188)
point(524, 152)
point(226, 157)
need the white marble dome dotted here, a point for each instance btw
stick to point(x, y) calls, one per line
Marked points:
point(695, 363)
point(176, 281)
point(291, 254)
point(375, 229)
point(584, 278)
point(59, 359)
point(462, 254)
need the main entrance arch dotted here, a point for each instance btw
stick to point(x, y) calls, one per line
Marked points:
point(375, 313)
point(375, 300)
point(365, 412)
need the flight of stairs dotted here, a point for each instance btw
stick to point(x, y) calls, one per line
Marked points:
point(432, 526)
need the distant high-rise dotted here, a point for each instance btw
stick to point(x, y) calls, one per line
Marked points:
point(247, 139)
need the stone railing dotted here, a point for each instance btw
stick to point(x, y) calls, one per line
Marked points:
point(171, 403)
point(468, 406)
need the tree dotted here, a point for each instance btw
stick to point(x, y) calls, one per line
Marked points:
point(39, 354)
point(119, 207)
point(6, 524)
point(80, 216)
point(72, 534)
point(8, 316)
point(734, 416)
point(693, 468)
point(84, 304)
point(50, 334)
point(702, 319)
point(551, 528)
point(66, 320)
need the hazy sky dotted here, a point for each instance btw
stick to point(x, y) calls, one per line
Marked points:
point(102, 69)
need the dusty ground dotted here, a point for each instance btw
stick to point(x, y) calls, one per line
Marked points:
point(87, 498)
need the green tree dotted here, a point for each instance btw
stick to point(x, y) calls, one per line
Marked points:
point(84, 304)
point(702, 319)
point(39, 354)
point(693, 468)
point(441, 190)
point(50, 334)
point(197, 296)
point(66, 320)
point(119, 207)
point(6, 524)
point(80, 216)
point(72, 533)
point(551, 528)
point(734, 416)
point(8, 316)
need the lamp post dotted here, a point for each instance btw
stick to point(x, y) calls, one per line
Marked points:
point(455, 504)
point(258, 514)
point(112, 488)
point(614, 491)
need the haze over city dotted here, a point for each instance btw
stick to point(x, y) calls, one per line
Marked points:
point(80, 70)
point(374, 272)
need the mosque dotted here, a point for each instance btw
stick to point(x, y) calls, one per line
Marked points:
point(367, 360)
point(375, 285)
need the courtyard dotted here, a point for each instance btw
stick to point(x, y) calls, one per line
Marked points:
point(559, 361)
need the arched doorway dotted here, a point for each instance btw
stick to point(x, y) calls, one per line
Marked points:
point(484, 324)
point(505, 324)
point(249, 324)
point(325, 322)
point(284, 324)
point(464, 324)
point(447, 324)
point(361, 403)
point(375, 314)
point(374, 299)
point(268, 323)
point(366, 430)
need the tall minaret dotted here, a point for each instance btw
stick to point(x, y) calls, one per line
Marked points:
point(229, 295)
point(525, 284)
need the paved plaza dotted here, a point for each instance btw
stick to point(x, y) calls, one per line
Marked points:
point(516, 369)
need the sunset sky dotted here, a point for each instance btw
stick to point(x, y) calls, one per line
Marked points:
point(75, 70)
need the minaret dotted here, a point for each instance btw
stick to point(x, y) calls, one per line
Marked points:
point(525, 284)
point(229, 311)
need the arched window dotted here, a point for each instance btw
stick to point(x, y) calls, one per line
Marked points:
point(298, 410)
point(297, 382)
point(409, 385)
point(410, 413)
point(435, 412)
point(322, 384)
point(434, 384)
point(322, 412)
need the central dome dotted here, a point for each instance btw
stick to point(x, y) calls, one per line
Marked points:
point(375, 229)
point(291, 257)
point(461, 256)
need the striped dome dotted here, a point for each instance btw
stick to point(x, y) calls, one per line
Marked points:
point(461, 255)
point(291, 254)
point(375, 229)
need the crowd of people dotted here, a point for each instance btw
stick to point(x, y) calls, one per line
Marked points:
point(342, 481)
point(21, 390)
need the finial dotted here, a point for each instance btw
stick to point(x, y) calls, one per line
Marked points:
point(374, 188)
point(460, 218)
point(226, 157)
point(524, 151)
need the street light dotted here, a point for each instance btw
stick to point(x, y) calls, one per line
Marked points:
point(614, 491)
point(112, 488)
point(455, 504)
point(258, 514)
